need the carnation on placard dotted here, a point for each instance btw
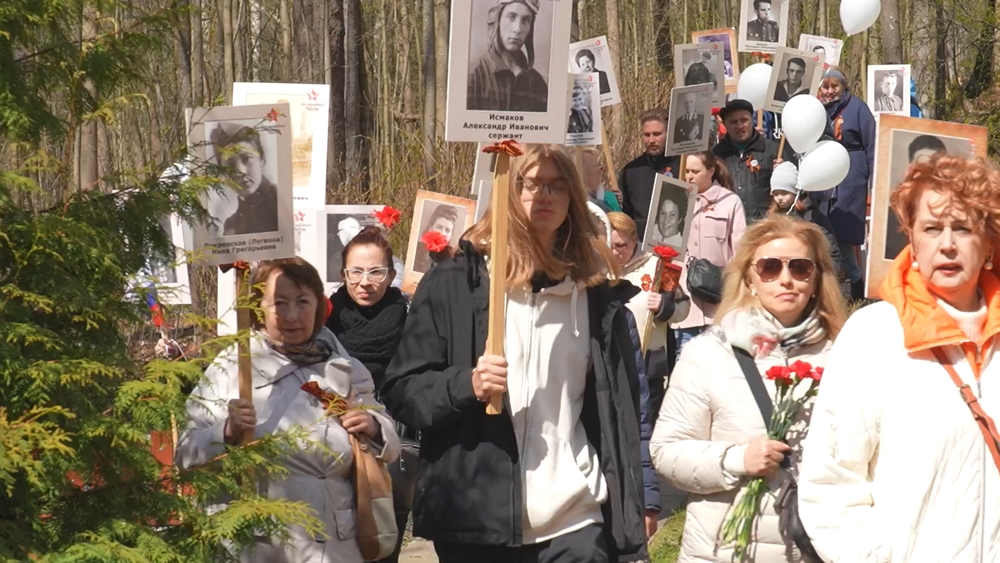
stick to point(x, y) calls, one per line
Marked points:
point(434, 241)
point(388, 216)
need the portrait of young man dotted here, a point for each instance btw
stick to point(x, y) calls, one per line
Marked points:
point(504, 78)
point(763, 28)
point(794, 82)
point(886, 98)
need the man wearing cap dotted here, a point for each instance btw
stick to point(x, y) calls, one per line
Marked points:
point(637, 178)
point(504, 79)
point(851, 124)
point(763, 28)
point(790, 200)
point(749, 157)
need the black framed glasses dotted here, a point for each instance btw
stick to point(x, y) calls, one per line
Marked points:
point(376, 275)
point(555, 187)
point(769, 269)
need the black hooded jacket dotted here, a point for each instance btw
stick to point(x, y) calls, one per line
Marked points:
point(469, 479)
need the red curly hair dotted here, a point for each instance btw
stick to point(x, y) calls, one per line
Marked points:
point(973, 184)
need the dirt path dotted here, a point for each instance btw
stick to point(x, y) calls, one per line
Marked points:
point(418, 551)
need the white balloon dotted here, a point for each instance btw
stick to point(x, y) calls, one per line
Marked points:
point(824, 167)
point(803, 121)
point(859, 15)
point(752, 86)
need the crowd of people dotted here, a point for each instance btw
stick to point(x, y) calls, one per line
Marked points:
point(888, 463)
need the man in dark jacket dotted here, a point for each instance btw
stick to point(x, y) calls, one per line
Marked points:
point(749, 157)
point(637, 178)
point(469, 498)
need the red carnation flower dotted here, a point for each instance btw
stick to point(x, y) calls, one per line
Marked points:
point(780, 374)
point(647, 282)
point(667, 253)
point(802, 370)
point(434, 241)
point(387, 216)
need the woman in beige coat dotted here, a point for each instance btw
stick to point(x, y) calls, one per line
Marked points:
point(781, 303)
point(292, 351)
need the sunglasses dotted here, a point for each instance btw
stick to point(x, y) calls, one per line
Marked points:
point(769, 269)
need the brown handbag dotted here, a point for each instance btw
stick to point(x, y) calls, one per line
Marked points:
point(986, 424)
point(376, 522)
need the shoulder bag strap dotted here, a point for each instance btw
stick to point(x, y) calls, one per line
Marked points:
point(756, 383)
point(986, 424)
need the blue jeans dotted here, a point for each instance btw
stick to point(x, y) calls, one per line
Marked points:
point(686, 334)
point(849, 262)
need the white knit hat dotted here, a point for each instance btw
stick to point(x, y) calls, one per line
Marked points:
point(785, 178)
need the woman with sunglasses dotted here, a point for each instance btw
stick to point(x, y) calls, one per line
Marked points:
point(901, 463)
point(556, 476)
point(367, 318)
point(718, 223)
point(781, 303)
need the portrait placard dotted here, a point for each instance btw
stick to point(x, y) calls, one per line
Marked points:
point(594, 55)
point(688, 126)
point(250, 214)
point(763, 25)
point(900, 142)
point(309, 114)
point(644, 264)
point(795, 73)
point(730, 62)
point(449, 215)
point(889, 89)
point(485, 103)
point(671, 209)
point(828, 47)
point(702, 63)
point(338, 224)
point(170, 273)
point(584, 127)
point(486, 163)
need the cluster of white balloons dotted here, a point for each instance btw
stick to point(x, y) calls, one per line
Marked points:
point(824, 164)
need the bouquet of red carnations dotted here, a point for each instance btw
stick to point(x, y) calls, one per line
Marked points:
point(738, 528)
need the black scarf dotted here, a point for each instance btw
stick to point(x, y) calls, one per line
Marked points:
point(370, 334)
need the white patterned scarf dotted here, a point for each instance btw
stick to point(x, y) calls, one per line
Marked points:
point(755, 330)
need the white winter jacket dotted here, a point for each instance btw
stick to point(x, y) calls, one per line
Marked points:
point(896, 468)
point(707, 419)
point(320, 479)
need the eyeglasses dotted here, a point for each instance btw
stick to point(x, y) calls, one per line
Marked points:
point(769, 269)
point(376, 275)
point(556, 187)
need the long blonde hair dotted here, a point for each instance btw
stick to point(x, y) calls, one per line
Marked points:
point(736, 288)
point(577, 253)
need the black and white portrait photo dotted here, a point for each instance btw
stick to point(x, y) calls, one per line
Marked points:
point(889, 89)
point(726, 36)
point(701, 63)
point(795, 73)
point(828, 47)
point(593, 55)
point(506, 71)
point(446, 215)
point(509, 46)
point(343, 223)
point(690, 112)
point(763, 25)
point(251, 212)
point(671, 208)
point(902, 142)
point(584, 123)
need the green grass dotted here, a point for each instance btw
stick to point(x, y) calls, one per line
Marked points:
point(665, 546)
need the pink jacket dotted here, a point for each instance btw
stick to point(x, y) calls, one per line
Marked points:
point(717, 226)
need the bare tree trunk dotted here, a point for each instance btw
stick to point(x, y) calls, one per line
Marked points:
point(940, 63)
point(430, 89)
point(574, 26)
point(335, 68)
point(228, 60)
point(182, 53)
point(442, 25)
point(287, 65)
point(87, 170)
point(240, 33)
point(198, 86)
point(892, 40)
point(353, 92)
point(303, 14)
point(614, 45)
point(824, 26)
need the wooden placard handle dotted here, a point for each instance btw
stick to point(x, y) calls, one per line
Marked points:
point(781, 148)
point(682, 169)
point(243, 344)
point(500, 207)
point(606, 147)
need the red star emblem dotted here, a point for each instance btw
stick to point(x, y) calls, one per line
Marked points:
point(312, 96)
point(300, 216)
point(272, 115)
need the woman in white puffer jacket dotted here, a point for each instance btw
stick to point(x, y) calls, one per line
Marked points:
point(781, 303)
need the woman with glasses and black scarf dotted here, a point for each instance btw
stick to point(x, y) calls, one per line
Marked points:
point(781, 304)
point(367, 318)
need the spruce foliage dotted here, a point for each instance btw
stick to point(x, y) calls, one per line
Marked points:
point(78, 481)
